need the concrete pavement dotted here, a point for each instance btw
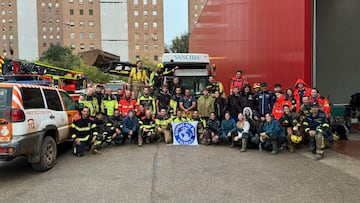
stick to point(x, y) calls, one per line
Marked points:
point(166, 173)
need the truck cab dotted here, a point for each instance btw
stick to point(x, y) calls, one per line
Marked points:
point(193, 70)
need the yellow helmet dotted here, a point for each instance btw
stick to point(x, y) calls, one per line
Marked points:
point(336, 137)
point(295, 139)
point(160, 65)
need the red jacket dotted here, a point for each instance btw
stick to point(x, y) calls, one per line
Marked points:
point(324, 104)
point(278, 108)
point(307, 90)
point(240, 83)
point(125, 106)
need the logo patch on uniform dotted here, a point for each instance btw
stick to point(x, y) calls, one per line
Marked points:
point(184, 133)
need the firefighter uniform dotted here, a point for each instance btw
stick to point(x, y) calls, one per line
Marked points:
point(148, 102)
point(320, 124)
point(164, 124)
point(148, 124)
point(106, 130)
point(138, 80)
point(92, 103)
point(201, 125)
point(82, 130)
point(110, 104)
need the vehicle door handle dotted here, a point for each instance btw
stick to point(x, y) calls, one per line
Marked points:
point(52, 116)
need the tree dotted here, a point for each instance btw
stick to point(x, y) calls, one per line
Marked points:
point(61, 57)
point(180, 44)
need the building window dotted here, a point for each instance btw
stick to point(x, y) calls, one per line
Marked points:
point(44, 44)
point(81, 12)
point(91, 12)
point(91, 23)
point(156, 57)
point(50, 5)
point(72, 23)
point(154, 24)
point(4, 37)
point(146, 36)
point(51, 37)
point(137, 47)
point(136, 24)
point(82, 46)
point(136, 12)
point(81, 23)
point(44, 36)
point(145, 13)
point(154, 37)
point(3, 21)
point(137, 57)
point(72, 46)
point(10, 28)
point(10, 20)
point(154, 2)
point(51, 29)
point(137, 36)
point(146, 47)
point(136, 2)
point(92, 46)
point(57, 21)
point(10, 12)
point(57, 29)
point(146, 25)
point(72, 35)
point(3, 29)
point(91, 1)
point(154, 13)
point(3, 13)
point(71, 1)
point(81, 1)
point(145, 2)
point(57, 36)
point(91, 35)
point(57, 5)
point(71, 12)
point(196, 7)
point(82, 35)
point(44, 29)
point(43, 5)
point(155, 47)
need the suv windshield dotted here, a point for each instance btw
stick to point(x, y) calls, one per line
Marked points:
point(5, 100)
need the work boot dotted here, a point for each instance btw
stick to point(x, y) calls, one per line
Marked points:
point(291, 147)
point(147, 141)
point(94, 150)
point(243, 144)
point(140, 140)
point(275, 147)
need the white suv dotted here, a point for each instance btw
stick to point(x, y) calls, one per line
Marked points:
point(33, 120)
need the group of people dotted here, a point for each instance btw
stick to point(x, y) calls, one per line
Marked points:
point(251, 116)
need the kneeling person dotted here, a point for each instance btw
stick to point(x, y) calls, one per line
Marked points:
point(163, 122)
point(147, 128)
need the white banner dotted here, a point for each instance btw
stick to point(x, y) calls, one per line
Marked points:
point(185, 133)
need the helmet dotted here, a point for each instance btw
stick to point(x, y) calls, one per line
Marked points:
point(295, 139)
point(256, 85)
point(335, 137)
point(160, 65)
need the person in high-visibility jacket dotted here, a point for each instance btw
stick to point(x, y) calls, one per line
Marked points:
point(127, 103)
point(157, 78)
point(147, 101)
point(91, 102)
point(316, 125)
point(110, 102)
point(83, 132)
point(214, 86)
point(147, 128)
point(137, 79)
point(163, 122)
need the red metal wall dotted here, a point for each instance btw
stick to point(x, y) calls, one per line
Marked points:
point(270, 40)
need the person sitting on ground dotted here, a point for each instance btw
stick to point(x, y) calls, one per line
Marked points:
point(212, 130)
point(271, 134)
point(228, 126)
point(163, 122)
point(289, 123)
point(241, 132)
point(130, 127)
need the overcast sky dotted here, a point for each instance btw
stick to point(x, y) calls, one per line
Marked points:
point(175, 19)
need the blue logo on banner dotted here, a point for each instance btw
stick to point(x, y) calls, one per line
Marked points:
point(184, 133)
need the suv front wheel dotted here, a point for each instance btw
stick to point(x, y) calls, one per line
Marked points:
point(48, 153)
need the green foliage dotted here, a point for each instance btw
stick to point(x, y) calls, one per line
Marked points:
point(64, 58)
point(60, 56)
point(147, 63)
point(94, 75)
point(180, 44)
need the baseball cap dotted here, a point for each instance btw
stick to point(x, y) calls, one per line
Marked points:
point(263, 84)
